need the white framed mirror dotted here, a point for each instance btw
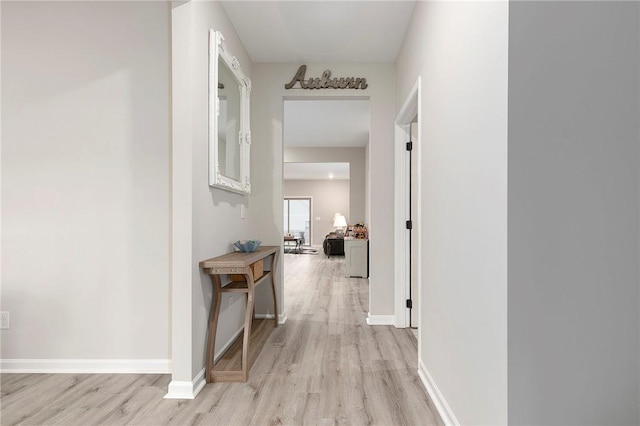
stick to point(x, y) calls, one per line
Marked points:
point(229, 129)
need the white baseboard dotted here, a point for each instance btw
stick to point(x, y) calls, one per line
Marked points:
point(186, 389)
point(446, 414)
point(224, 347)
point(282, 318)
point(189, 389)
point(380, 319)
point(264, 316)
point(86, 366)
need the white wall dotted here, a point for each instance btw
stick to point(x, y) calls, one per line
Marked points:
point(328, 198)
point(357, 179)
point(574, 204)
point(267, 159)
point(85, 180)
point(460, 50)
point(214, 214)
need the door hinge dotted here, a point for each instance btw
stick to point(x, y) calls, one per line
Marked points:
point(409, 224)
point(409, 304)
point(409, 146)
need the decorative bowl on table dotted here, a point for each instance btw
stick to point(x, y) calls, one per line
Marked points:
point(247, 246)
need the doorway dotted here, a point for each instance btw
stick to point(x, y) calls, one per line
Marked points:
point(412, 192)
point(325, 186)
point(408, 211)
point(325, 143)
point(297, 219)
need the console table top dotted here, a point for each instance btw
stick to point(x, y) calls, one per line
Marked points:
point(238, 259)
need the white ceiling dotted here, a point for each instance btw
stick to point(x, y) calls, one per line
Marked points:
point(316, 171)
point(326, 123)
point(320, 31)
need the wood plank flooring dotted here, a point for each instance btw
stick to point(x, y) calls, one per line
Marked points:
point(324, 366)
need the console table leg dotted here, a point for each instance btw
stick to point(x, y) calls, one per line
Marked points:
point(247, 330)
point(213, 326)
point(274, 263)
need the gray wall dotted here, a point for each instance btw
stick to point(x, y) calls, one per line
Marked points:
point(356, 157)
point(460, 51)
point(206, 220)
point(574, 105)
point(85, 180)
point(267, 96)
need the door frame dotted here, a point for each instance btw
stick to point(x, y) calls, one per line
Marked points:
point(410, 109)
point(304, 197)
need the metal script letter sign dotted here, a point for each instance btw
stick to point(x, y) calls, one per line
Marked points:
point(325, 82)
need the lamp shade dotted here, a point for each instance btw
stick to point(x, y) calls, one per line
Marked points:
point(339, 221)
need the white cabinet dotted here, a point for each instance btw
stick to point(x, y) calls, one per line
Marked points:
point(356, 257)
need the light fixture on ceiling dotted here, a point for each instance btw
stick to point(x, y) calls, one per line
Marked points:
point(331, 176)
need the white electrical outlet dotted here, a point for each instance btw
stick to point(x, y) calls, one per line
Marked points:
point(4, 320)
point(243, 211)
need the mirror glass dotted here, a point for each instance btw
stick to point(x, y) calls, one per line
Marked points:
point(228, 122)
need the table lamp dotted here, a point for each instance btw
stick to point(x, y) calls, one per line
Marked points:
point(339, 222)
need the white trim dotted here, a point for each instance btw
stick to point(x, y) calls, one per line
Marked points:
point(182, 167)
point(86, 366)
point(226, 346)
point(410, 108)
point(401, 240)
point(380, 319)
point(301, 197)
point(185, 389)
point(264, 316)
point(282, 318)
point(190, 389)
point(419, 147)
point(446, 414)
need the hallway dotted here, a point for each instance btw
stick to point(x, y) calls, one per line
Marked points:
point(323, 366)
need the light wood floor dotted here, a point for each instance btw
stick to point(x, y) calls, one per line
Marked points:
point(324, 366)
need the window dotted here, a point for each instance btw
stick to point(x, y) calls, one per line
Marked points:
point(297, 218)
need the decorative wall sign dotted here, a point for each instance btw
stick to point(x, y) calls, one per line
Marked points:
point(325, 82)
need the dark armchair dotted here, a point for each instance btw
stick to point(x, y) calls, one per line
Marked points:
point(333, 245)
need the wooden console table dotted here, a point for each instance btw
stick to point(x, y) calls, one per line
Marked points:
point(237, 263)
